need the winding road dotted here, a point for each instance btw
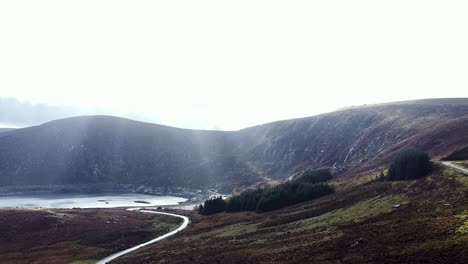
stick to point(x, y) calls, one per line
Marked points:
point(457, 167)
point(124, 252)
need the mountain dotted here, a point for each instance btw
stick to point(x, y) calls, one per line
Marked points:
point(358, 138)
point(105, 149)
point(97, 149)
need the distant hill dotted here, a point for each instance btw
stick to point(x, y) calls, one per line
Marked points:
point(97, 149)
point(6, 129)
point(104, 149)
point(429, 101)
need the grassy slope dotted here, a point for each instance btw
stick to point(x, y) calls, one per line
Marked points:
point(430, 226)
point(463, 163)
point(74, 236)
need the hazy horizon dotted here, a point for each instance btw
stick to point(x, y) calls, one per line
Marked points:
point(41, 119)
point(222, 65)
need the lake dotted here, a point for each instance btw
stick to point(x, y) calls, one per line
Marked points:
point(87, 201)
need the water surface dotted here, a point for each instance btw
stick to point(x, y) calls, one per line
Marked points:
point(87, 201)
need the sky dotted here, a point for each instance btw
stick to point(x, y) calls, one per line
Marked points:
point(224, 64)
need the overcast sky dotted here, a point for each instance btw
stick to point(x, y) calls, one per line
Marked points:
point(227, 64)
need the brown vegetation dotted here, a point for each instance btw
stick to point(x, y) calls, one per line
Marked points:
point(65, 236)
point(417, 221)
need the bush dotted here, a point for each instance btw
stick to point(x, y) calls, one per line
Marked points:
point(315, 176)
point(411, 163)
point(213, 206)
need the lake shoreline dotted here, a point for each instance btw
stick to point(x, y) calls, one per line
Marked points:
point(192, 194)
point(70, 200)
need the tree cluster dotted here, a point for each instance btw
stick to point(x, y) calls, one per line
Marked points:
point(290, 193)
point(212, 206)
point(308, 186)
point(245, 201)
point(409, 164)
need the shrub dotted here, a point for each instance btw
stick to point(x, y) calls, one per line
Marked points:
point(411, 163)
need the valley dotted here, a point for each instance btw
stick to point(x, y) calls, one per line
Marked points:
point(233, 132)
point(363, 217)
point(364, 221)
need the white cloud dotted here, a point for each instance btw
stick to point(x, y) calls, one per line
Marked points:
point(203, 64)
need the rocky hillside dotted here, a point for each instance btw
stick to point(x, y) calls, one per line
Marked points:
point(358, 138)
point(103, 149)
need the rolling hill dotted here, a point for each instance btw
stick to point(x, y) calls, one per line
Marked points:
point(105, 149)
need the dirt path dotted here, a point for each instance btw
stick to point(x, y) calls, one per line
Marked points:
point(124, 252)
point(459, 168)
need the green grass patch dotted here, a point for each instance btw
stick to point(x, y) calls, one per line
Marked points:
point(260, 241)
point(358, 212)
point(458, 176)
point(84, 262)
point(463, 229)
point(163, 227)
point(462, 163)
point(236, 230)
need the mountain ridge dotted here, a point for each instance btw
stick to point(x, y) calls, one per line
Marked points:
point(103, 149)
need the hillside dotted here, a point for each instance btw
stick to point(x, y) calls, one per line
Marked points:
point(429, 101)
point(104, 149)
point(417, 221)
point(100, 149)
point(58, 236)
point(6, 129)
